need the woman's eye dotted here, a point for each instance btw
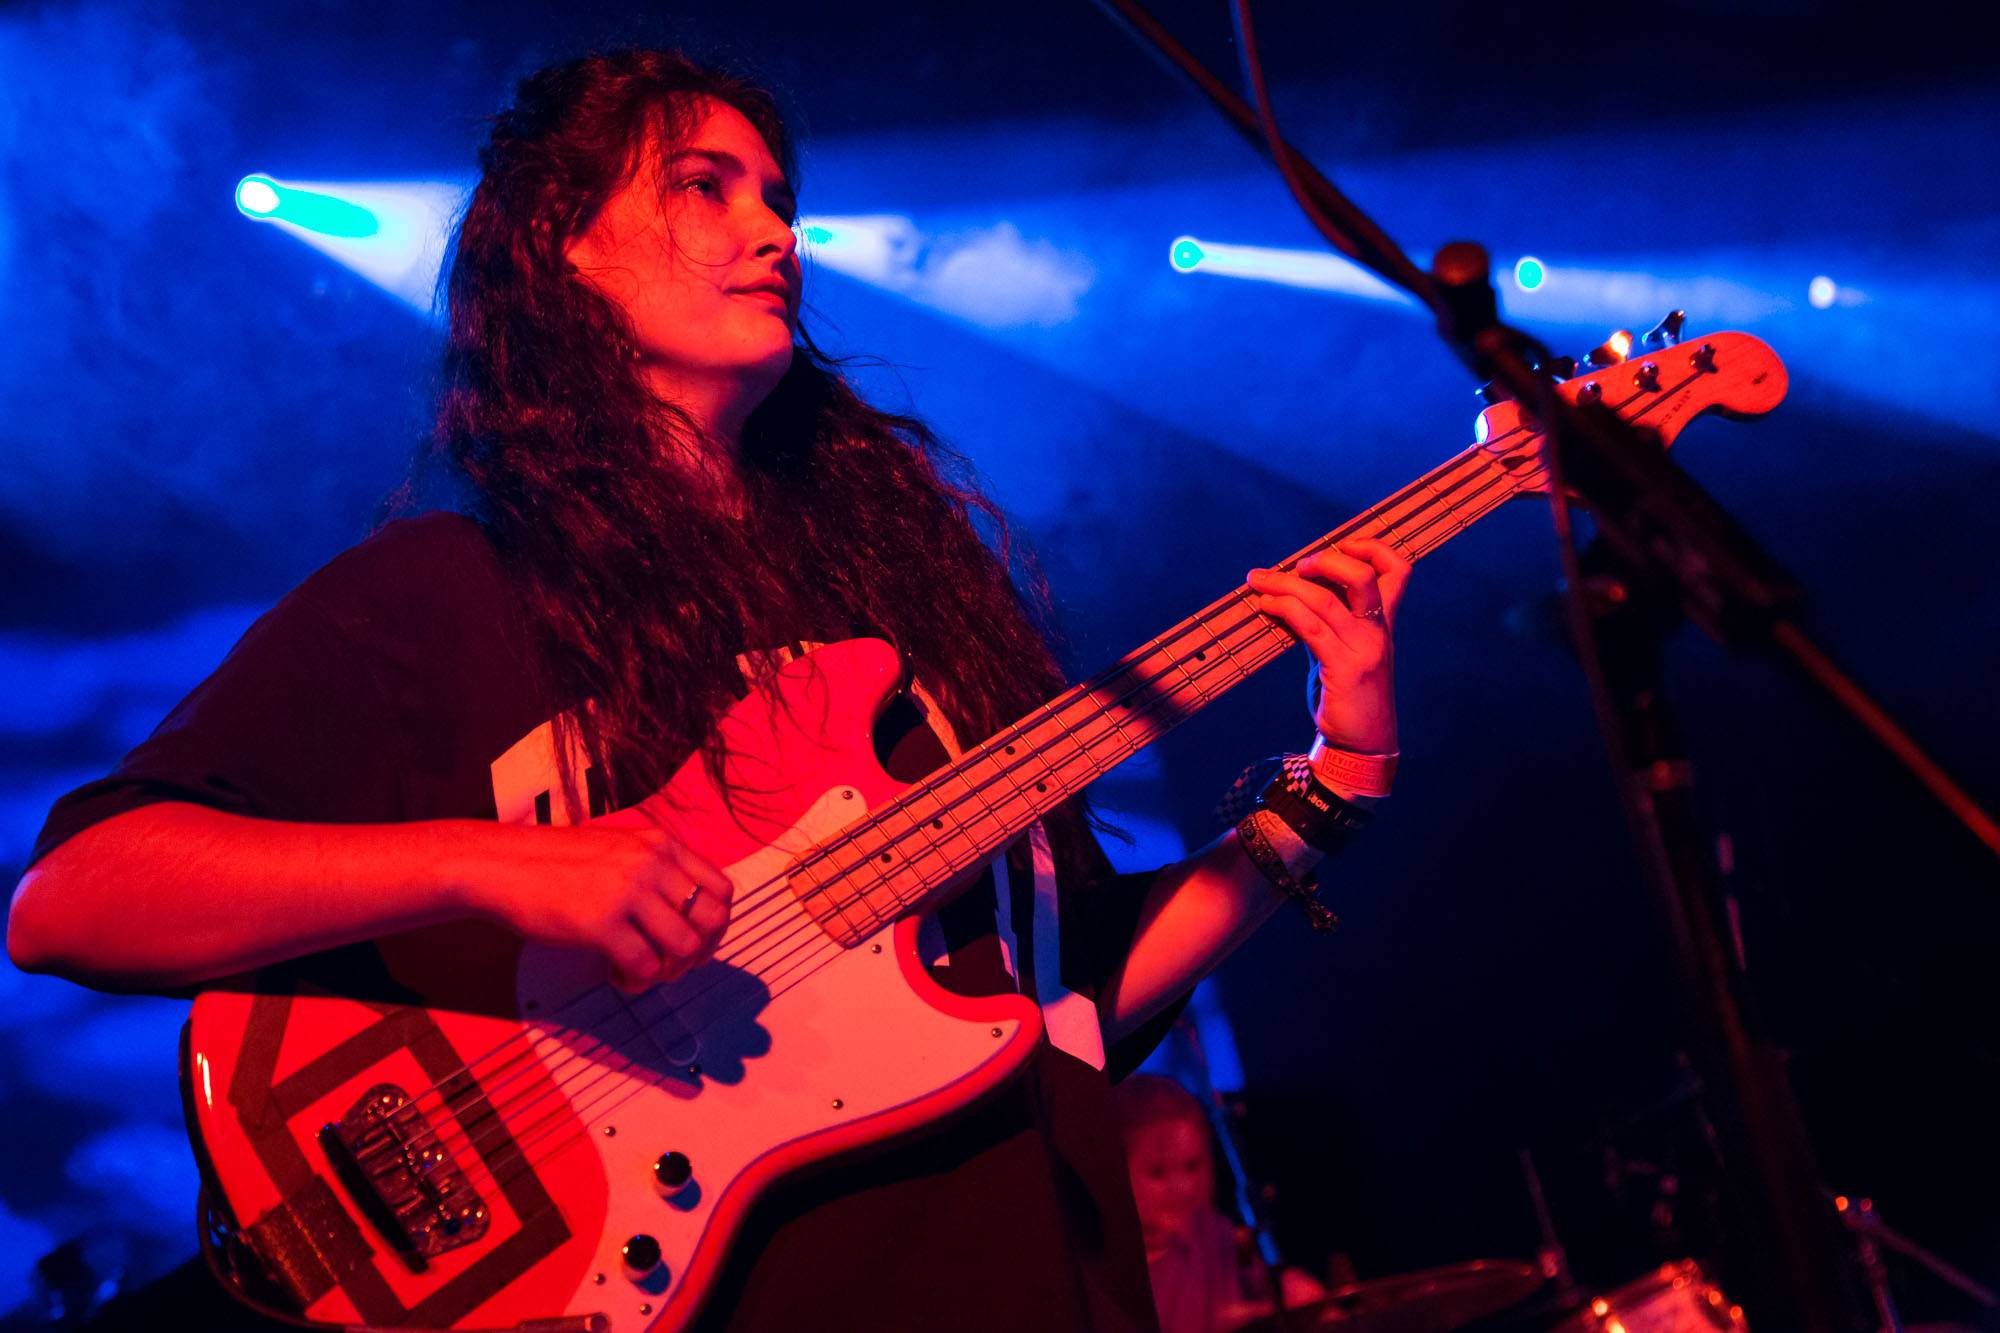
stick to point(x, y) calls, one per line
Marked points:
point(708, 185)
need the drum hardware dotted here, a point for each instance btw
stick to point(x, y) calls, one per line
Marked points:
point(1434, 1300)
point(1870, 1234)
point(1674, 1298)
point(1551, 1258)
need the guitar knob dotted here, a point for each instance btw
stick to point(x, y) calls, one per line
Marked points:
point(673, 1170)
point(642, 1256)
point(1665, 333)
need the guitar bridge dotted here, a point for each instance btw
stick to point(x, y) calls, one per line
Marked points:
point(405, 1180)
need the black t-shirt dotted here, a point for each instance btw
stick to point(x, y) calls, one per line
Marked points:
point(394, 685)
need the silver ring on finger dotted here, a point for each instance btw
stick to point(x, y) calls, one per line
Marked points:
point(1373, 613)
point(693, 894)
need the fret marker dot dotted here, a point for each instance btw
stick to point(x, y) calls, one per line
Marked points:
point(1200, 656)
point(1041, 786)
point(885, 856)
point(1010, 749)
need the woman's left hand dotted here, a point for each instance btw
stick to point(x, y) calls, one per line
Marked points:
point(1341, 603)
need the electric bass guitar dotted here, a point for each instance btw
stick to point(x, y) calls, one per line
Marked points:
point(494, 1138)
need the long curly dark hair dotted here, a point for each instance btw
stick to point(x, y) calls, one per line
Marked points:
point(639, 587)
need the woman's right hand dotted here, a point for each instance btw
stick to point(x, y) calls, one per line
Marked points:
point(653, 909)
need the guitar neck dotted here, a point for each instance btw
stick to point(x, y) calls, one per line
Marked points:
point(905, 856)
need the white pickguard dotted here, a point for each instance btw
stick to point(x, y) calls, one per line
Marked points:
point(837, 1044)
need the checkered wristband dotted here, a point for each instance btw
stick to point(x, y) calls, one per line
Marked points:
point(1287, 821)
point(1314, 811)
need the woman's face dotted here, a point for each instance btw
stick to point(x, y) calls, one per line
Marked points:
point(1173, 1180)
point(698, 251)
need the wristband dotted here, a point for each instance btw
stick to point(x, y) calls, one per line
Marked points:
point(1322, 819)
point(1257, 834)
point(1362, 774)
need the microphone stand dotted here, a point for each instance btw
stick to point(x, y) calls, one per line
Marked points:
point(1678, 550)
point(1250, 1196)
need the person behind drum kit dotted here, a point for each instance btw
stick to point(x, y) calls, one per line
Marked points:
point(1205, 1272)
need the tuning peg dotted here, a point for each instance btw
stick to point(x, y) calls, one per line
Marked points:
point(1562, 367)
point(1492, 392)
point(1666, 333)
point(1613, 350)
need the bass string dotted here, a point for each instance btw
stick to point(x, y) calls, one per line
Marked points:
point(1102, 711)
point(808, 931)
point(1015, 734)
point(595, 1069)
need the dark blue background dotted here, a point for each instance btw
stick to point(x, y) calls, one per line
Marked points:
point(195, 411)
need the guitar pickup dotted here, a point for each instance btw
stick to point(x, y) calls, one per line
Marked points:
point(406, 1182)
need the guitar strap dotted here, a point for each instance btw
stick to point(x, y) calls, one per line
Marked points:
point(1069, 1018)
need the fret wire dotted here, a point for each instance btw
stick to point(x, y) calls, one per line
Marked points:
point(839, 905)
point(923, 827)
point(1050, 755)
point(1007, 772)
point(1020, 796)
point(1261, 626)
point(814, 887)
point(1065, 788)
point(850, 878)
point(1409, 504)
point(1180, 665)
point(1265, 649)
point(1111, 714)
point(974, 792)
point(1064, 735)
point(1117, 713)
point(1375, 517)
point(1419, 539)
point(1153, 685)
point(1488, 497)
point(1242, 595)
point(886, 879)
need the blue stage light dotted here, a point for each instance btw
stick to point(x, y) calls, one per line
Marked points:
point(311, 210)
point(391, 233)
point(1529, 273)
point(1822, 292)
point(1313, 269)
point(257, 196)
point(990, 275)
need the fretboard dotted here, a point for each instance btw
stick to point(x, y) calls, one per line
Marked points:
point(908, 855)
point(899, 858)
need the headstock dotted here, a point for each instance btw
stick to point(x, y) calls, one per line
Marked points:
point(1659, 381)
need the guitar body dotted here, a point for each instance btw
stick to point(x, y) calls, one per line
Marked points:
point(481, 1136)
point(473, 1146)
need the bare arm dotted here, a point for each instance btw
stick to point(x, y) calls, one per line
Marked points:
point(1198, 911)
point(174, 893)
point(1195, 914)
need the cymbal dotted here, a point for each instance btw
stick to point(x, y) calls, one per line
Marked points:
point(1433, 1300)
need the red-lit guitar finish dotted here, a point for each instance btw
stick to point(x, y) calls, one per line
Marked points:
point(471, 1141)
